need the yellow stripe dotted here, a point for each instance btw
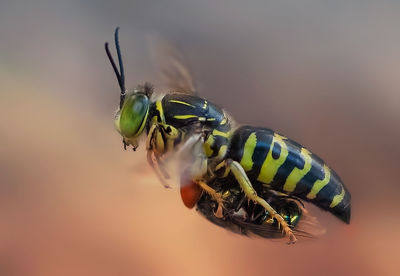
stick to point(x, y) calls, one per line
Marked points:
point(205, 105)
point(160, 110)
point(170, 143)
point(227, 171)
point(319, 184)
point(180, 102)
point(220, 133)
point(143, 123)
point(222, 151)
point(223, 121)
point(249, 146)
point(159, 142)
point(297, 174)
point(183, 117)
point(220, 165)
point(207, 145)
point(337, 199)
point(280, 136)
point(210, 119)
point(271, 165)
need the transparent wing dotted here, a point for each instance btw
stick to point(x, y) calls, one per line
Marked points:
point(311, 225)
point(307, 228)
point(172, 65)
point(177, 167)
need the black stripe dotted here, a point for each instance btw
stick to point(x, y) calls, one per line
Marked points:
point(236, 148)
point(326, 194)
point(293, 160)
point(164, 138)
point(264, 143)
point(276, 151)
point(343, 209)
point(306, 183)
point(224, 128)
point(219, 141)
point(172, 109)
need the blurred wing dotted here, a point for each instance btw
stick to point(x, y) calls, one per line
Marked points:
point(176, 168)
point(307, 228)
point(268, 231)
point(310, 225)
point(172, 65)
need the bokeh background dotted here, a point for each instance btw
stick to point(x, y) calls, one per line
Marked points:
point(72, 202)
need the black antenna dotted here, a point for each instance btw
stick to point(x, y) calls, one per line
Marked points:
point(119, 74)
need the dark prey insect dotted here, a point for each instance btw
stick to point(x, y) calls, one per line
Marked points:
point(266, 167)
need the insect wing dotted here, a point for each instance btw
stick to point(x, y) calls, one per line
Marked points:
point(178, 167)
point(307, 228)
point(172, 65)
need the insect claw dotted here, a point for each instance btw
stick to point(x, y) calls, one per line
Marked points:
point(292, 238)
point(218, 213)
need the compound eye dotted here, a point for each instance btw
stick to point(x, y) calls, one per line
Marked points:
point(133, 115)
point(168, 129)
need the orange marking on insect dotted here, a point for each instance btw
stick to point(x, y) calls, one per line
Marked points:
point(190, 193)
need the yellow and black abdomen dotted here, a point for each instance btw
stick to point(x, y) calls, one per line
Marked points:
point(272, 161)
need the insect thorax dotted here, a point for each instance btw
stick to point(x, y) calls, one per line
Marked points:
point(194, 115)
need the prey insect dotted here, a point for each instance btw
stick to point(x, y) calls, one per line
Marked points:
point(224, 160)
point(243, 217)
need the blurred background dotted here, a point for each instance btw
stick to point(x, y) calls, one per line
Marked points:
point(73, 202)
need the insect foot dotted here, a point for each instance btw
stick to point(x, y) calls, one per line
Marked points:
point(292, 238)
point(220, 200)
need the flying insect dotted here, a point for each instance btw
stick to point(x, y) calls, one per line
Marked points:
point(267, 168)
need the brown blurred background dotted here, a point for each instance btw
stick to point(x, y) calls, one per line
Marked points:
point(72, 202)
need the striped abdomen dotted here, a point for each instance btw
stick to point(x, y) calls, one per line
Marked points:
point(274, 162)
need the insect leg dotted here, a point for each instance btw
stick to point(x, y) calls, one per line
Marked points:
point(240, 203)
point(154, 164)
point(248, 189)
point(154, 159)
point(150, 137)
point(214, 194)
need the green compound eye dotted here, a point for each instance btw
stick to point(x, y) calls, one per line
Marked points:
point(133, 115)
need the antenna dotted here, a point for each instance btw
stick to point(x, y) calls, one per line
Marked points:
point(119, 74)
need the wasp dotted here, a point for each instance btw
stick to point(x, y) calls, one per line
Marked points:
point(266, 168)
